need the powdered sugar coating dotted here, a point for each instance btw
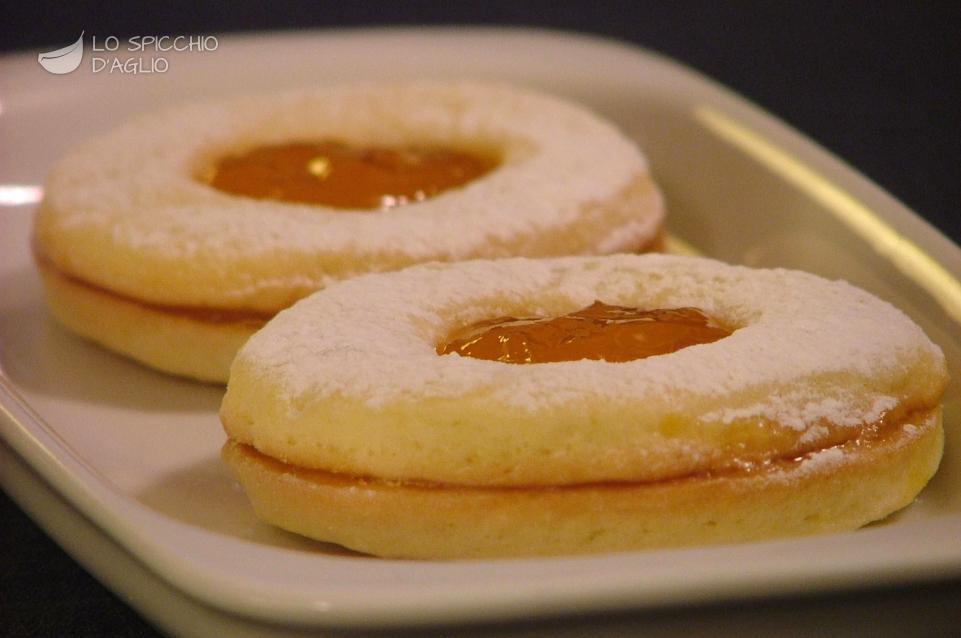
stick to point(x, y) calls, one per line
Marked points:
point(353, 371)
point(127, 211)
point(821, 460)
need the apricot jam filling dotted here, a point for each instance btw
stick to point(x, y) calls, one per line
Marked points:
point(335, 174)
point(599, 331)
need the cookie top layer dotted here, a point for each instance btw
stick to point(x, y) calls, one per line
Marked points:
point(348, 380)
point(127, 211)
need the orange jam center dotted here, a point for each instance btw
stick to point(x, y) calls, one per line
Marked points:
point(600, 331)
point(335, 174)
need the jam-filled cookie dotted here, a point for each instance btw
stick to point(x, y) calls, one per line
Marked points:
point(174, 237)
point(571, 405)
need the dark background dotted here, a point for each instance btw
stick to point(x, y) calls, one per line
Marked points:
point(877, 83)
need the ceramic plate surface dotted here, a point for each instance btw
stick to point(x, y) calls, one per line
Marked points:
point(136, 452)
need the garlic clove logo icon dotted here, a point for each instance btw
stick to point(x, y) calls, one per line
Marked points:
point(63, 60)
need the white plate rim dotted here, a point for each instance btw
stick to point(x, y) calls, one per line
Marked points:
point(37, 443)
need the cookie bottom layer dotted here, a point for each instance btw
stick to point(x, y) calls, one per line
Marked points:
point(833, 490)
point(183, 343)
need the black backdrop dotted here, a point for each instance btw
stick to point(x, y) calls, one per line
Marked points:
point(874, 82)
point(877, 83)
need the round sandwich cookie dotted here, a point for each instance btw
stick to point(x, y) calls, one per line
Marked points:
point(520, 407)
point(174, 237)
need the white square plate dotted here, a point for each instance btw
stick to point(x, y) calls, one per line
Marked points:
point(137, 453)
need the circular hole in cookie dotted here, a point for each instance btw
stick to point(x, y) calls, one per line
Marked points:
point(349, 176)
point(600, 331)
